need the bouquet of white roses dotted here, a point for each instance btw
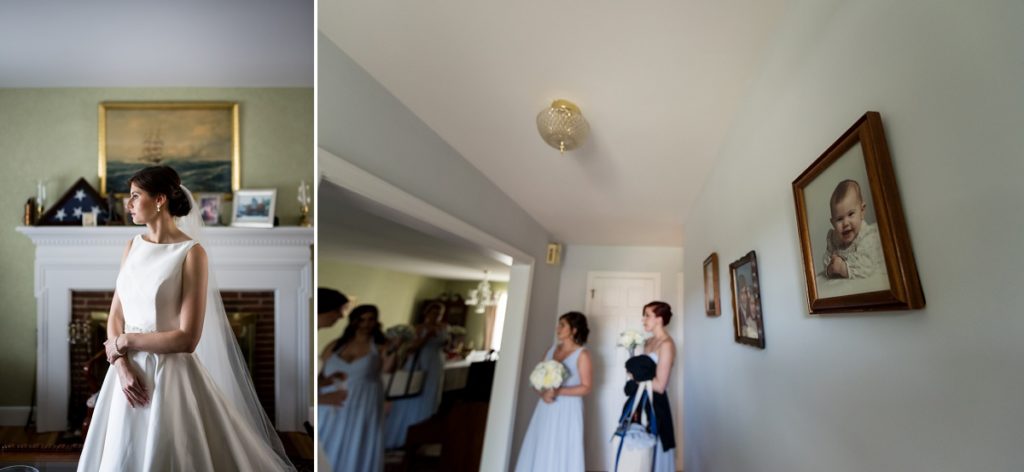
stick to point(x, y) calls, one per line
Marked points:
point(548, 375)
point(402, 332)
point(631, 339)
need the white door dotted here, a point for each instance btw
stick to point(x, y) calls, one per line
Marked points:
point(615, 302)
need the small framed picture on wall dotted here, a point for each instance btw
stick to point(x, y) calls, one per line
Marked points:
point(748, 324)
point(254, 208)
point(712, 299)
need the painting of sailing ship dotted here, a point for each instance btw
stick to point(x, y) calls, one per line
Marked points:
point(198, 140)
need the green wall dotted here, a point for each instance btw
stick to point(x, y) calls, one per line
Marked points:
point(52, 134)
point(396, 294)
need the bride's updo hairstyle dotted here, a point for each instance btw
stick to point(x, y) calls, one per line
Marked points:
point(163, 180)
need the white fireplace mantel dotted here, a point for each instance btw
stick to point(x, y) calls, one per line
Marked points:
point(83, 258)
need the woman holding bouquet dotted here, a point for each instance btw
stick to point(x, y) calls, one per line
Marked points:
point(431, 337)
point(554, 439)
point(662, 350)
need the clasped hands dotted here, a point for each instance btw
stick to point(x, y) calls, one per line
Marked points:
point(113, 349)
point(131, 384)
point(548, 395)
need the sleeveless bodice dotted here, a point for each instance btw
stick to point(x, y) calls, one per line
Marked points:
point(149, 285)
point(365, 369)
point(572, 363)
point(352, 434)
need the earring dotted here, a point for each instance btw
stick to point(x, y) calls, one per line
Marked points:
point(158, 208)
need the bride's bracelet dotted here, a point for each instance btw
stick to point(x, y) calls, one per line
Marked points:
point(118, 350)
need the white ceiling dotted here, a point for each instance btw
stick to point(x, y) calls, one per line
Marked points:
point(355, 230)
point(181, 43)
point(660, 83)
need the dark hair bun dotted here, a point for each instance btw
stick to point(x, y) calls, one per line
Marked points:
point(178, 203)
point(163, 180)
point(578, 322)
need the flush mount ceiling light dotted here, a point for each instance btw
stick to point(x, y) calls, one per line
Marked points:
point(562, 125)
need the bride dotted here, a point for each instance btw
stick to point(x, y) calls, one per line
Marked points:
point(178, 395)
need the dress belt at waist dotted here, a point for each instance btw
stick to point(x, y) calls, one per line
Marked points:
point(138, 329)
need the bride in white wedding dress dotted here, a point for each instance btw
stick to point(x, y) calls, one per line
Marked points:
point(178, 396)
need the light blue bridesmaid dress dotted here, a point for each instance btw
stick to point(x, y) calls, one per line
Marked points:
point(409, 411)
point(664, 461)
point(554, 439)
point(351, 435)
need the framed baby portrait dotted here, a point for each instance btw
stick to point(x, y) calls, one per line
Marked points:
point(712, 299)
point(748, 324)
point(856, 251)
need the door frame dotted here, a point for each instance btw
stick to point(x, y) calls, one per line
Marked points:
point(408, 209)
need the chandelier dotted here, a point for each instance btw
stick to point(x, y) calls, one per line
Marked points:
point(562, 125)
point(482, 296)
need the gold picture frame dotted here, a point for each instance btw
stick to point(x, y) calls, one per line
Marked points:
point(200, 140)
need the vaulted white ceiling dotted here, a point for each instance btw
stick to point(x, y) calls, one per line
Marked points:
point(181, 43)
point(660, 83)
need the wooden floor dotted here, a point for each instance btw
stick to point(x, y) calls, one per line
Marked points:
point(56, 452)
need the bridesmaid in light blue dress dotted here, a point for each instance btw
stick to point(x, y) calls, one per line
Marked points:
point(662, 350)
point(554, 439)
point(432, 336)
point(351, 433)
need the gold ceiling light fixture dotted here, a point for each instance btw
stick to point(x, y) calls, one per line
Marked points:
point(562, 125)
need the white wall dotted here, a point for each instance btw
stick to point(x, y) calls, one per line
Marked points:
point(937, 389)
point(577, 261)
point(364, 124)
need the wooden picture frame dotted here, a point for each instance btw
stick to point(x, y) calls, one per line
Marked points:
point(747, 317)
point(254, 208)
point(853, 236)
point(712, 295)
point(199, 140)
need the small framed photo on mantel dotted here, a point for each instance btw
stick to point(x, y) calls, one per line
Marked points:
point(209, 207)
point(254, 208)
point(856, 251)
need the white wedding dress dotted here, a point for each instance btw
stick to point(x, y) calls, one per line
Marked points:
point(199, 417)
